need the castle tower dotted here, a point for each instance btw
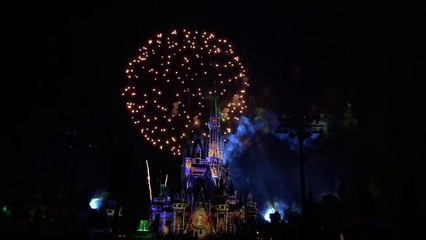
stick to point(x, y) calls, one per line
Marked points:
point(215, 145)
point(199, 163)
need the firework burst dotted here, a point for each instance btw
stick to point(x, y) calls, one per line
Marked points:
point(177, 80)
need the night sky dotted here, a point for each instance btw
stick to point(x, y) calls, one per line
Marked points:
point(65, 72)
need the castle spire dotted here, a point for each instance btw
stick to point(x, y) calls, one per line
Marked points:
point(215, 100)
point(214, 104)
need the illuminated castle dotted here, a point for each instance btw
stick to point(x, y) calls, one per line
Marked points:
point(207, 204)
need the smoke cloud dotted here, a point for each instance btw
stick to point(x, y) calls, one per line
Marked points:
point(266, 163)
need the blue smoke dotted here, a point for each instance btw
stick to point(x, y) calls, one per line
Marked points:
point(266, 163)
point(237, 143)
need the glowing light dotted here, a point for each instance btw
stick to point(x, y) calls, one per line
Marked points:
point(266, 214)
point(179, 73)
point(95, 203)
point(143, 226)
point(6, 211)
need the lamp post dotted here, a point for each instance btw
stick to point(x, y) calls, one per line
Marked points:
point(301, 127)
point(76, 143)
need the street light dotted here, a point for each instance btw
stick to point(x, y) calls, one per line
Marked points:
point(301, 127)
point(77, 142)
